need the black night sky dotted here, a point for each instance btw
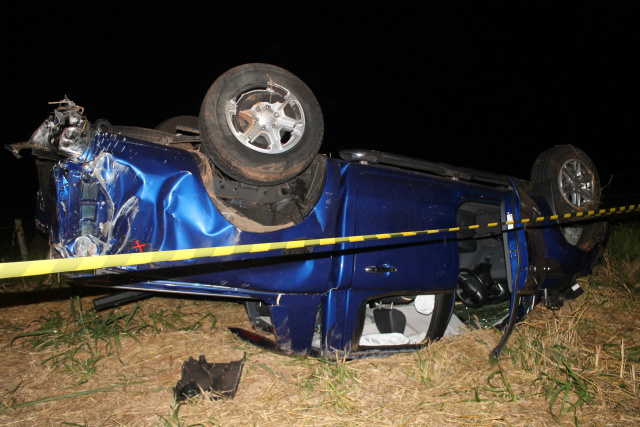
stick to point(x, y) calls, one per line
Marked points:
point(487, 86)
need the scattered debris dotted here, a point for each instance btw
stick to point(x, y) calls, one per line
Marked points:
point(198, 376)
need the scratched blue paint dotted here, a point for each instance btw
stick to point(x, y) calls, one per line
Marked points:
point(124, 195)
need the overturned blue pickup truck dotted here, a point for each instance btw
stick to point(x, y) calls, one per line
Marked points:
point(247, 171)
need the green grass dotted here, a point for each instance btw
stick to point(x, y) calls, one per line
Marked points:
point(549, 362)
point(564, 355)
point(337, 380)
point(624, 241)
point(79, 341)
point(175, 320)
point(566, 390)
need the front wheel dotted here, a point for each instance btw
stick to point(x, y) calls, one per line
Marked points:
point(260, 124)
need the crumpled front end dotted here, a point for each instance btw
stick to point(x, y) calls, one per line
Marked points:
point(66, 133)
point(116, 194)
point(94, 186)
point(126, 197)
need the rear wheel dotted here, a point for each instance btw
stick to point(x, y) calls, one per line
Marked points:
point(573, 175)
point(575, 186)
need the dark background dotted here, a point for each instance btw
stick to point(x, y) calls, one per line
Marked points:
point(485, 86)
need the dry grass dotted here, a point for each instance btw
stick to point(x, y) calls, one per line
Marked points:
point(579, 365)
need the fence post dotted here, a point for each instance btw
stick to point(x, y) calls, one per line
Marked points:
point(21, 242)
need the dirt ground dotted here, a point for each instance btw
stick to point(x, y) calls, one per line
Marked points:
point(585, 354)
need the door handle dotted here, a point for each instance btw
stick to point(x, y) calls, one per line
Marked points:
point(378, 269)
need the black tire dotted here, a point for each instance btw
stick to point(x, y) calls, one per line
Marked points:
point(171, 125)
point(575, 183)
point(575, 186)
point(251, 133)
point(103, 125)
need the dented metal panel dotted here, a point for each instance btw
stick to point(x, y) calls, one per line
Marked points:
point(106, 190)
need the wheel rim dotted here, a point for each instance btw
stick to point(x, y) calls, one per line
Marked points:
point(577, 183)
point(267, 120)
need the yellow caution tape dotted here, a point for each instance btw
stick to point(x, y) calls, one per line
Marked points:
point(33, 268)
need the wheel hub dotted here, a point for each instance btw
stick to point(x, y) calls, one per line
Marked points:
point(576, 183)
point(262, 112)
point(272, 119)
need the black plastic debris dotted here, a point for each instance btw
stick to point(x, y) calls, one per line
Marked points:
point(219, 378)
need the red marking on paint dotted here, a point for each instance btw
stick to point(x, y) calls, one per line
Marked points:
point(139, 246)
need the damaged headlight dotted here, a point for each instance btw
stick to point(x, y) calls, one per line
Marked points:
point(66, 131)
